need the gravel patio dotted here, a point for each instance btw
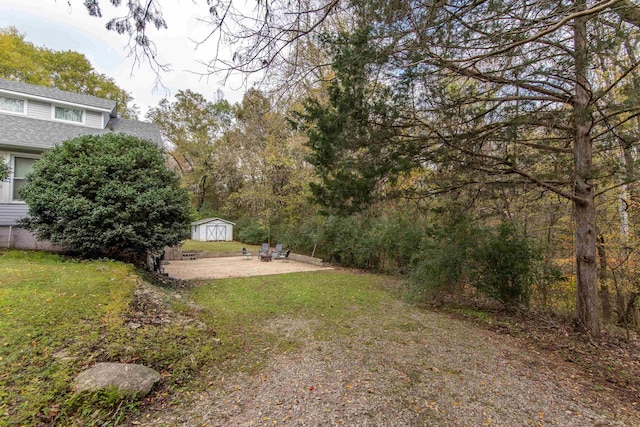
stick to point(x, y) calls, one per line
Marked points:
point(227, 267)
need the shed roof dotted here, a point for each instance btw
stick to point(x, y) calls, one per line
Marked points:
point(207, 220)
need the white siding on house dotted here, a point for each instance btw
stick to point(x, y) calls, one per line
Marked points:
point(10, 213)
point(39, 110)
point(44, 111)
point(93, 119)
point(19, 238)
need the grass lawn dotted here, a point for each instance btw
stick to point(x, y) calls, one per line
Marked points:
point(60, 316)
point(194, 245)
point(326, 299)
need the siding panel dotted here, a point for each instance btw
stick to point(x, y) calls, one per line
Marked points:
point(23, 239)
point(39, 110)
point(93, 119)
point(10, 213)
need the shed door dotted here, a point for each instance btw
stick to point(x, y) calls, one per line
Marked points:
point(216, 232)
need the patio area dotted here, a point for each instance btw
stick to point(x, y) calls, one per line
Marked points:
point(226, 267)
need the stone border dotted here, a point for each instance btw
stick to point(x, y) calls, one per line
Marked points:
point(307, 259)
point(175, 254)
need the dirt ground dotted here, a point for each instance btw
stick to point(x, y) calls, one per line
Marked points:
point(225, 267)
point(400, 367)
point(396, 366)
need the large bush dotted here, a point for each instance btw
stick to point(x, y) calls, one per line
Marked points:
point(441, 251)
point(378, 240)
point(108, 195)
point(251, 231)
point(504, 265)
point(496, 261)
point(442, 263)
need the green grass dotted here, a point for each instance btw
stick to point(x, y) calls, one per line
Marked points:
point(59, 316)
point(51, 307)
point(482, 315)
point(326, 300)
point(194, 245)
point(326, 294)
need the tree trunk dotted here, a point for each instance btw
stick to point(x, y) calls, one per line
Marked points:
point(604, 280)
point(629, 317)
point(629, 157)
point(202, 187)
point(587, 301)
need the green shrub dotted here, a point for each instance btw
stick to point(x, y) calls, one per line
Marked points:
point(106, 196)
point(496, 261)
point(251, 231)
point(504, 263)
point(302, 237)
point(442, 263)
point(4, 170)
point(204, 213)
point(441, 251)
point(383, 241)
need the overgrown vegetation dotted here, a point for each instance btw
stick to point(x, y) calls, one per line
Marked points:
point(503, 264)
point(251, 231)
point(442, 253)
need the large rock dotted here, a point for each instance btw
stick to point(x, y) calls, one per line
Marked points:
point(126, 377)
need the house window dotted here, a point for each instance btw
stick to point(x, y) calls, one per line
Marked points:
point(68, 114)
point(21, 168)
point(11, 104)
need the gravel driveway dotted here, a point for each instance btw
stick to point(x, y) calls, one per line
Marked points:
point(400, 367)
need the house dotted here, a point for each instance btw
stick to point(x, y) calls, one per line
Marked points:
point(32, 120)
point(212, 229)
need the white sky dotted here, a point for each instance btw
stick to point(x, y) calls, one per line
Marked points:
point(55, 25)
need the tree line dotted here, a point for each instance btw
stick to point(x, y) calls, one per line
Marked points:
point(513, 112)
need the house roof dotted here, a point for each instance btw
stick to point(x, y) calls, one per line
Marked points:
point(207, 220)
point(144, 130)
point(58, 95)
point(19, 132)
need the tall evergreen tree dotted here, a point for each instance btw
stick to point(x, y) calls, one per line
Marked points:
point(497, 88)
point(514, 80)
